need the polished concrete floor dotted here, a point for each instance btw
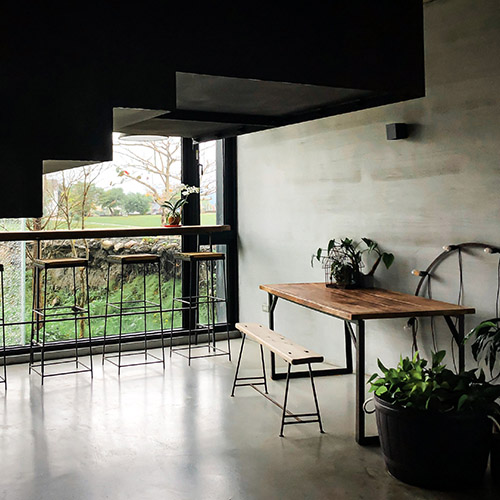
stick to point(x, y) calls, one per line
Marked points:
point(179, 435)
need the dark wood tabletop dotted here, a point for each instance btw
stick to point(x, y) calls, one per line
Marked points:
point(361, 304)
point(76, 234)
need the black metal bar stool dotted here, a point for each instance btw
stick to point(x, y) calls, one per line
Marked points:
point(3, 380)
point(43, 315)
point(191, 304)
point(133, 307)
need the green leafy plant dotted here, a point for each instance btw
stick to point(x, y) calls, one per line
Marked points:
point(486, 344)
point(413, 384)
point(386, 257)
point(344, 259)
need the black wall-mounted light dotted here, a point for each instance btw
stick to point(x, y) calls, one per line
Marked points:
point(396, 131)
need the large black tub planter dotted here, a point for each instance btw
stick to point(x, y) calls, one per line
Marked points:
point(434, 425)
point(433, 449)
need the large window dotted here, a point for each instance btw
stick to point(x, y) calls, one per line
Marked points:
point(126, 192)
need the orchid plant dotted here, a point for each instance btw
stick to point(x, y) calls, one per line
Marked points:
point(173, 206)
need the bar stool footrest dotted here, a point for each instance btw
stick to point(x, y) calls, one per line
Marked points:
point(116, 305)
point(201, 300)
point(217, 351)
point(110, 359)
point(85, 368)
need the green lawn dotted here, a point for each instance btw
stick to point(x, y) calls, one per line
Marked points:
point(137, 221)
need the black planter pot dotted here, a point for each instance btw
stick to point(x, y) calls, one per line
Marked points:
point(434, 450)
point(495, 458)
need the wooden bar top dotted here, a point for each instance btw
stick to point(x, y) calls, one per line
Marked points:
point(360, 304)
point(76, 234)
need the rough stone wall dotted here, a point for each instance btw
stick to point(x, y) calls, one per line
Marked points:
point(99, 250)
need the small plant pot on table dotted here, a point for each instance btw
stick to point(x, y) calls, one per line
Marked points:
point(342, 262)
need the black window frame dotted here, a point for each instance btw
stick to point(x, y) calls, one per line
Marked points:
point(190, 174)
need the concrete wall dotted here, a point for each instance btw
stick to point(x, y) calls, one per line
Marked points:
point(301, 185)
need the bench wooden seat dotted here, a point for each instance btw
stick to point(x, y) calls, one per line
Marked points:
point(290, 352)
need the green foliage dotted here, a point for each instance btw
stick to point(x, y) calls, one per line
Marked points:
point(387, 258)
point(112, 199)
point(116, 201)
point(136, 203)
point(412, 384)
point(486, 345)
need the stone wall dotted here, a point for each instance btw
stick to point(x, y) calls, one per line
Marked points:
point(99, 250)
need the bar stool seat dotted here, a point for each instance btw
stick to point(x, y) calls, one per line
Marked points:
point(60, 263)
point(43, 315)
point(139, 258)
point(197, 256)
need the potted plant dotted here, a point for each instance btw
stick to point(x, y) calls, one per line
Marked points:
point(173, 206)
point(343, 261)
point(485, 347)
point(433, 423)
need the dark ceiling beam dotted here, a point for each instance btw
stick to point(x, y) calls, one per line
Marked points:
point(230, 118)
point(64, 68)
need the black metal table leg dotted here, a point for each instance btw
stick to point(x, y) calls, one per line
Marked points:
point(458, 335)
point(238, 364)
point(360, 381)
point(461, 346)
point(361, 437)
point(326, 372)
point(263, 367)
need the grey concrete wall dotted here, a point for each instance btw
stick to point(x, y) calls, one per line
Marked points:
point(301, 185)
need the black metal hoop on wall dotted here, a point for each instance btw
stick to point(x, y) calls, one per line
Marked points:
point(449, 250)
point(426, 275)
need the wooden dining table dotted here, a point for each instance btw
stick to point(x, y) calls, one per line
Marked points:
point(354, 307)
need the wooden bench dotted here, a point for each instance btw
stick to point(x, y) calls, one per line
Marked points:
point(292, 354)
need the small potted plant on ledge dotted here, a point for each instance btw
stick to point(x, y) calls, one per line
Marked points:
point(342, 261)
point(434, 424)
point(172, 208)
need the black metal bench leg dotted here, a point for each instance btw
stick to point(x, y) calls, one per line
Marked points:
point(263, 368)
point(315, 398)
point(286, 399)
point(238, 365)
